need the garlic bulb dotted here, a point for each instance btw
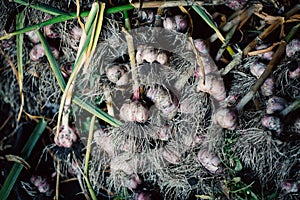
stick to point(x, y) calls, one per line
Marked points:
point(134, 112)
point(210, 161)
point(213, 85)
point(226, 118)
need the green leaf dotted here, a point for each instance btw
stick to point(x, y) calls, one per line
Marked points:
point(205, 16)
point(63, 18)
point(52, 61)
point(25, 153)
point(236, 179)
point(57, 73)
point(19, 42)
point(238, 165)
point(42, 7)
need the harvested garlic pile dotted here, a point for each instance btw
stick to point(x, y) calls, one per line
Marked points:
point(174, 107)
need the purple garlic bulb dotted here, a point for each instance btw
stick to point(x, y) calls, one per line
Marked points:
point(275, 104)
point(257, 69)
point(268, 86)
point(210, 161)
point(226, 118)
point(236, 4)
point(292, 47)
point(272, 123)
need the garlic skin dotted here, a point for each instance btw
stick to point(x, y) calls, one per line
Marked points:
point(171, 155)
point(76, 33)
point(150, 54)
point(33, 37)
point(272, 123)
point(146, 53)
point(55, 52)
point(290, 186)
point(267, 89)
point(163, 132)
point(134, 112)
point(132, 182)
point(123, 162)
point(146, 15)
point(213, 85)
point(209, 66)
point(36, 52)
point(48, 30)
point(257, 69)
point(169, 23)
point(40, 183)
point(176, 23)
point(118, 74)
point(236, 4)
point(66, 137)
point(292, 47)
point(210, 161)
point(295, 73)
point(162, 58)
point(143, 196)
point(181, 23)
point(226, 118)
point(275, 104)
point(207, 61)
point(164, 100)
point(201, 46)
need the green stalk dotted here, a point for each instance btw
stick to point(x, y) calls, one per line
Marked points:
point(61, 82)
point(84, 46)
point(126, 19)
point(63, 18)
point(203, 14)
point(19, 42)
point(41, 7)
point(53, 64)
point(291, 34)
point(87, 158)
point(25, 153)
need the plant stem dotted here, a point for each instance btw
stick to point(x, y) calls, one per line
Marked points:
point(61, 82)
point(133, 66)
point(53, 64)
point(226, 42)
point(82, 56)
point(263, 77)
point(199, 60)
point(241, 189)
point(262, 36)
point(19, 41)
point(203, 14)
point(236, 60)
point(25, 153)
point(276, 58)
point(87, 158)
point(62, 18)
point(163, 4)
point(41, 7)
point(126, 19)
point(294, 106)
point(57, 180)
